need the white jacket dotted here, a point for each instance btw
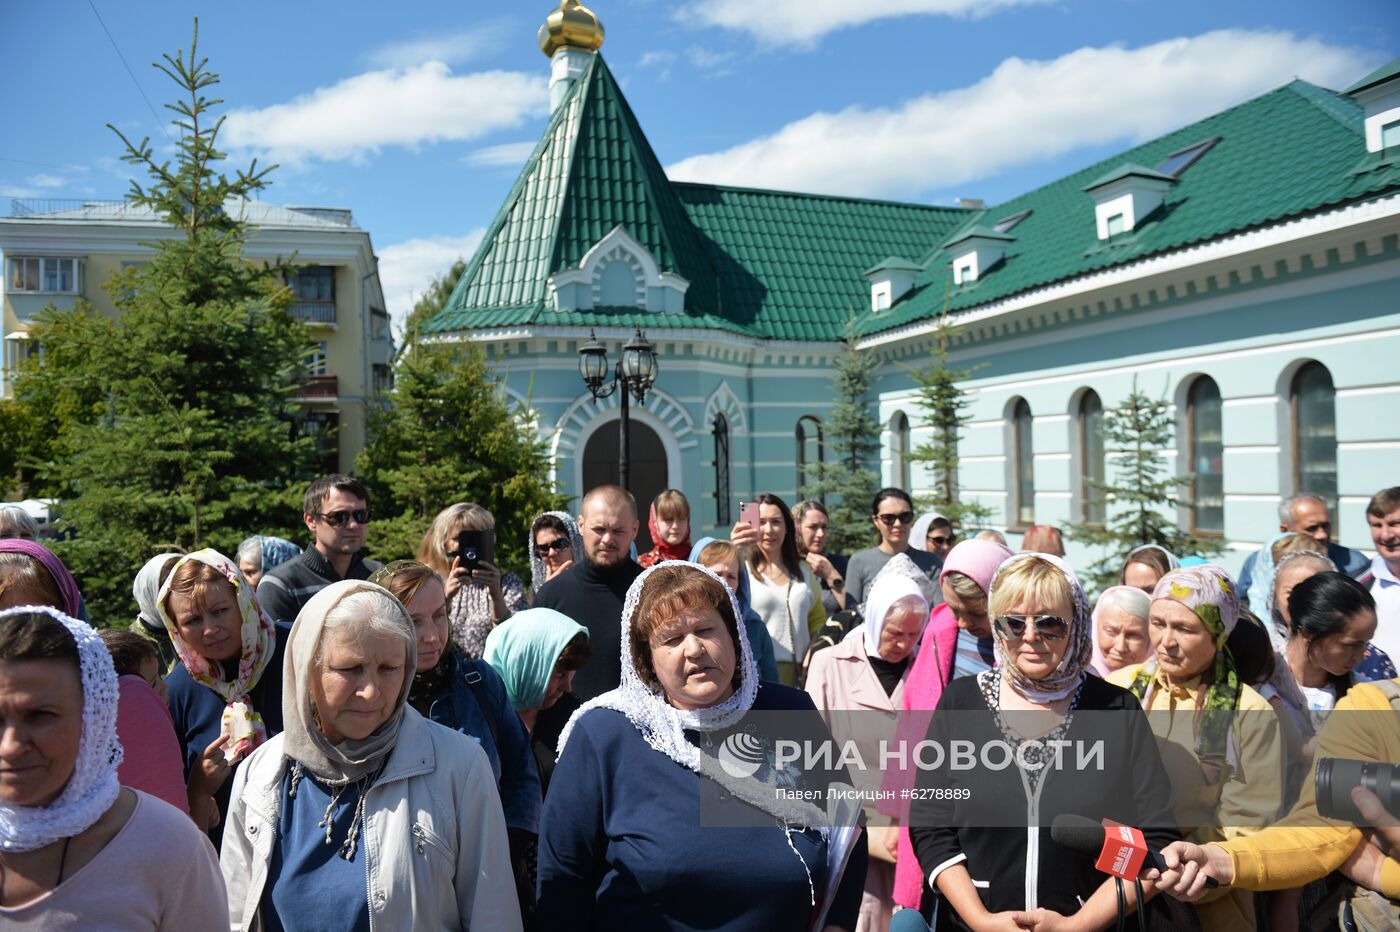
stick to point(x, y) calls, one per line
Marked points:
point(434, 836)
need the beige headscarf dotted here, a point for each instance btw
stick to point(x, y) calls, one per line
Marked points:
point(350, 760)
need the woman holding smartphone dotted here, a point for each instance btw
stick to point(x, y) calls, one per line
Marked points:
point(479, 596)
point(785, 593)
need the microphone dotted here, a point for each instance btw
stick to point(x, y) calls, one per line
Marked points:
point(1120, 850)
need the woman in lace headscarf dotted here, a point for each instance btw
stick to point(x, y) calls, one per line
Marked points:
point(622, 844)
point(555, 545)
point(63, 814)
point(362, 813)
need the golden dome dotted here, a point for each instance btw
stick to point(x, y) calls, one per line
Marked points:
point(570, 25)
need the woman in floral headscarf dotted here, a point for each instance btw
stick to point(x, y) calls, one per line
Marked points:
point(1227, 768)
point(982, 832)
point(225, 695)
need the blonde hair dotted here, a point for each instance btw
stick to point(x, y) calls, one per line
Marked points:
point(964, 586)
point(718, 551)
point(1033, 579)
point(1295, 543)
point(451, 521)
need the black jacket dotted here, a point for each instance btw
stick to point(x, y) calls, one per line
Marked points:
point(593, 597)
point(286, 588)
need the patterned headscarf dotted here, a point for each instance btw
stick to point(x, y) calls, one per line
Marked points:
point(93, 786)
point(1262, 584)
point(67, 586)
point(243, 725)
point(660, 550)
point(538, 571)
point(1066, 677)
point(899, 580)
point(1211, 595)
point(276, 551)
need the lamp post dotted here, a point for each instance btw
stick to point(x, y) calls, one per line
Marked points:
point(635, 373)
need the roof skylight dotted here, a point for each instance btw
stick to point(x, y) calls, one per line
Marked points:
point(1005, 224)
point(1182, 159)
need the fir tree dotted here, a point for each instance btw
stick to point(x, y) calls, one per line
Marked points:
point(447, 434)
point(1142, 500)
point(845, 482)
point(171, 426)
point(432, 301)
point(943, 405)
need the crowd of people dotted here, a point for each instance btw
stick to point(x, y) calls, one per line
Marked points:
point(302, 738)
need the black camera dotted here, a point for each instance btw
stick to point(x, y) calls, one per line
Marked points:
point(473, 548)
point(1337, 777)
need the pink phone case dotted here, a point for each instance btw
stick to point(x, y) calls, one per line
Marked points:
point(748, 513)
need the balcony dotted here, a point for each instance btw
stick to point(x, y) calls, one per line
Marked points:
point(313, 312)
point(316, 387)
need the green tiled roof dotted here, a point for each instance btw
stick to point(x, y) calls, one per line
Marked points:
point(1129, 170)
point(1290, 152)
point(1383, 73)
point(895, 263)
point(788, 266)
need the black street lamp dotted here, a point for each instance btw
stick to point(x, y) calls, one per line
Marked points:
point(635, 372)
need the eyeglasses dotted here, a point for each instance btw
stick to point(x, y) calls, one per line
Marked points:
point(338, 518)
point(938, 541)
point(1049, 627)
point(558, 545)
point(900, 517)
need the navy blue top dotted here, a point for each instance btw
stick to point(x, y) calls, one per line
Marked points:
point(458, 703)
point(622, 845)
point(198, 713)
point(309, 885)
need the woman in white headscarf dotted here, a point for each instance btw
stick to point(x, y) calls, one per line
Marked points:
point(145, 589)
point(983, 834)
point(555, 544)
point(77, 851)
point(362, 813)
point(865, 673)
point(622, 844)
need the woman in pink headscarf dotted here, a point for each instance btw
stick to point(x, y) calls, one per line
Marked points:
point(957, 642)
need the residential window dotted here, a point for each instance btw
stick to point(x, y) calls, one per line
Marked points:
point(721, 434)
point(965, 274)
point(899, 450)
point(18, 348)
point(45, 274)
point(1390, 135)
point(316, 283)
point(1314, 404)
point(1117, 225)
point(1206, 454)
point(316, 360)
point(811, 452)
point(1091, 458)
point(1023, 491)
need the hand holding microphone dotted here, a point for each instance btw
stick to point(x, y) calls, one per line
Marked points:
point(1120, 850)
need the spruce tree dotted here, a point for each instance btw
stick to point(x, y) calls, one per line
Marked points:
point(446, 434)
point(171, 426)
point(1142, 500)
point(432, 301)
point(845, 480)
point(943, 406)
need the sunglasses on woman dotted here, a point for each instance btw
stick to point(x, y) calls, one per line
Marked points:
point(1048, 627)
point(558, 545)
point(903, 517)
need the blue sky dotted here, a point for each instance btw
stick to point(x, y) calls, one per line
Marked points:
point(418, 119)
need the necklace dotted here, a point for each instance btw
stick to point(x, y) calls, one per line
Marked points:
point(62, 863)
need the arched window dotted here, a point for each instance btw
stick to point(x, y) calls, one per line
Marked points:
point(1091, 458)
point(1314, 403)
point(811, 452)
point(1023, 493)
point(722, 514)
point(899, 450)
point(1206, 454)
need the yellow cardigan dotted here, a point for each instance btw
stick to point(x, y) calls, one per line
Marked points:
point(1304, 846)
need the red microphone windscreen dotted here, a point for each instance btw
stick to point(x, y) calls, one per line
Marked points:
point(1124, 850)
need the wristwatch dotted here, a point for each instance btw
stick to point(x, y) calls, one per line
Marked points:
point(837, 584)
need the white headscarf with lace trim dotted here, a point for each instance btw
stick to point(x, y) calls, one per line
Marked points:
point(898, 581)
point(93, 786)
point(538, 571)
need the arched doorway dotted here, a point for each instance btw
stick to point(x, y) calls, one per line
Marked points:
point(647, 462)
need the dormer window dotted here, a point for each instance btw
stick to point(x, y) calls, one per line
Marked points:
point(1125, 197)
point(1390, 135)
point(1182, 159)
point(890, 280)
point(618, 272)
point(1379, 95)
point(975, 251)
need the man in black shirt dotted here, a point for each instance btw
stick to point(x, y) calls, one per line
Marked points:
point(336, 510)
point(592, 592)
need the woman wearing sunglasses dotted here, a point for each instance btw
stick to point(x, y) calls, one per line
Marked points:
point(1226, 767)
point(892, 513)
point(981, 832)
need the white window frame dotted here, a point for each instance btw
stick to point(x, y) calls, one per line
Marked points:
point(318, 358)
point(1116, 225)
point(1390, 135)
point(41, 271)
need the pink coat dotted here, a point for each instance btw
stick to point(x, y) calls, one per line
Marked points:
point(928, 675)
point(151, 753)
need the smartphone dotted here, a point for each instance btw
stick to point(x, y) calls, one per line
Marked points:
point(473, 547)
point(748, 513)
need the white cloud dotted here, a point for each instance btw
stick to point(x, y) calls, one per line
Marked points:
point(407, 269)
point(804, 22)
point(509, 154)
point(453, 48)
point(407, 107)
point(47, 181)
point(1024, 112)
